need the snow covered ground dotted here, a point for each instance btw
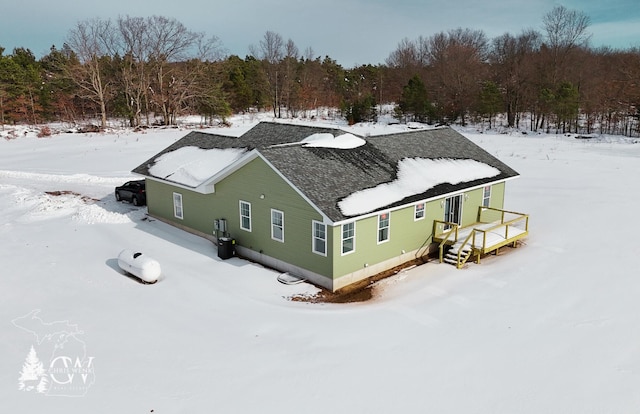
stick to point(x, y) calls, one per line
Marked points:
point(552, 327)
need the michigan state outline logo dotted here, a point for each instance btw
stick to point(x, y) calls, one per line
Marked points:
point(58, 363)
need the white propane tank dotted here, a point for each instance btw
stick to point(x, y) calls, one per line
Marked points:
point(139, 265)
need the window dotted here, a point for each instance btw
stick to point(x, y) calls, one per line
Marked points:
point(177, 206)
point(419, 211)
point(348, 237)
point(383, 227)
point(277, 225)
point(319, 238)
point(245, 216)
point(486, 196)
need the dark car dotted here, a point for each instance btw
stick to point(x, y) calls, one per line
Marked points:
point(132, 191)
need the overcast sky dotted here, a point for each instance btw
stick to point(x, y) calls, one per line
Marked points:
point(352, 32)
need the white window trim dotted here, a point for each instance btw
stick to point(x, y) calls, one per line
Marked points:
point(415, 211)
point(273, 225)
point(240, 203)
point(460, 211)
point(178, 207)
point(388, 228)
point(314, 238)
point(484, 197)
point(342, 239)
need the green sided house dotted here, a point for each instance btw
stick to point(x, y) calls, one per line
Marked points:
point(332, 207)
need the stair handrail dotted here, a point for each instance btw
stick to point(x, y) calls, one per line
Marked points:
point(452, 227)
point(472, 235)
point(452, 230)
point(425, 246)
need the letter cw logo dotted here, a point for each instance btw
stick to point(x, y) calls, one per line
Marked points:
point(63, 370)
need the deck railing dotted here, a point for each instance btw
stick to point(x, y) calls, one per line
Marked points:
point(497, 222)
point(496, 215)
point(503, 224)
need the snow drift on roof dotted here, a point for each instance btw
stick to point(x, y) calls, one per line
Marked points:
point(327, 140)
point(415, 176)
point(191, 166)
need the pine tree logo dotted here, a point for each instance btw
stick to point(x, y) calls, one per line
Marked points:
point(33, 376)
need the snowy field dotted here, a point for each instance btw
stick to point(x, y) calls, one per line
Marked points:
point(551, 327)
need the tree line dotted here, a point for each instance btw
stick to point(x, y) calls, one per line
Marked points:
point(152, 70)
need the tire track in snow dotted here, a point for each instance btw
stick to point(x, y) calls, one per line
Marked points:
point(62, 178)
point(35, 204)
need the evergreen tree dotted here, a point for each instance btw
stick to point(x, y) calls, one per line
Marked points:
point(360, 110)
point(236, 85)
point(32, 375)
point(490, 101)
point(358, 89)
point(566, 105)
point(57, 90)
point(9, 88)
point(414, 104)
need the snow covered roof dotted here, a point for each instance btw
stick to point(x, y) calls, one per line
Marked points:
point(191, 166)
point(415, 176)
point(327, 140)
point(343, 175)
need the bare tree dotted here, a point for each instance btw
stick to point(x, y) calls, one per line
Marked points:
point(169, 42)
point(91, 41)
point(135, 49)
point(405, 55)
point(162, 65)
point(174, 58)
point(624, 91)
point(566, 30)
point(271, 48)
point(290, 86)
point(458, 66)
point(408, 60)
point(309, 54)
point(510, 58)
point(271, 52)
point(309, 80)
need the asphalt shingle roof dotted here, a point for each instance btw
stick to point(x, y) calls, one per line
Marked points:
point(328, 175)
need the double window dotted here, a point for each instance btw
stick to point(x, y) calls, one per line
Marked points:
point(319, 238)
point(418, 212)
point(486, 196)
point(277, 225)
point(383, 227)
point(348, 237)
point(177, 206)
point(245, 215)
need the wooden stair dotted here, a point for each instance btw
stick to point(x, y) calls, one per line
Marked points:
point(495, 228)
point(457, 254)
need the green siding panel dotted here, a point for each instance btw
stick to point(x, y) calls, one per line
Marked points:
point(195, 206)
point(250, 184)
point(405, 233)
point(498, 195)
point(257, 184)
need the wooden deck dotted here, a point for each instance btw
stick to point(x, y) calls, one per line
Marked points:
point(494, 229)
